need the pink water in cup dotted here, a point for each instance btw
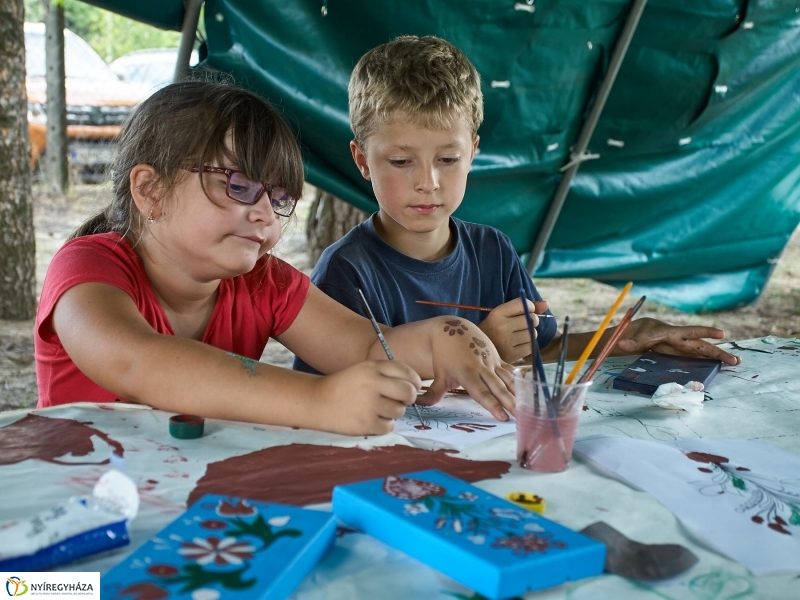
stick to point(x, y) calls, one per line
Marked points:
point(546, 429)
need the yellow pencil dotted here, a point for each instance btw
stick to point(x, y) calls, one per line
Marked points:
point(599, 333)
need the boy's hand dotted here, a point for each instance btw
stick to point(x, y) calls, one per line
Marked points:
point(651, 334)
point(464, 355)
point(365, 399)
point(508, 330)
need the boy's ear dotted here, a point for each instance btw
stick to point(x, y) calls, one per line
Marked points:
point(475, 143)
point(143, 188)
point(360, 159)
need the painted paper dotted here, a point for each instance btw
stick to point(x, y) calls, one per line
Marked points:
point(741, 496)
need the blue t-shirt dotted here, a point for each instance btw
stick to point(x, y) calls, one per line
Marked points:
point(482, 270)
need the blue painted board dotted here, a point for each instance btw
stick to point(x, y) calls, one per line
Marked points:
point(237, 548)
point(484, 542)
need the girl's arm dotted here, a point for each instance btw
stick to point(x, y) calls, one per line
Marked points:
point(452, 351)
point(106, 337)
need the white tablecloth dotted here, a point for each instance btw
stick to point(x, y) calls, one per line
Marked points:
point(757, 400)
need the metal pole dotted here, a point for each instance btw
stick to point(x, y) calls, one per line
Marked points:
point(578, 153)
point(55, 159)
point(191, 16)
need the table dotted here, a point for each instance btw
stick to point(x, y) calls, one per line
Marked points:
point(41, 465)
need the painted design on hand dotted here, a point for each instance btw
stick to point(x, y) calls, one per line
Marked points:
point(455, 327)
point(480, 344)
point(247, 363)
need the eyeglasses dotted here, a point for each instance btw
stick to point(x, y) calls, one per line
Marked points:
point(241, 189)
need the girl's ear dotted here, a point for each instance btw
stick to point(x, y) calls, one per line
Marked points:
point(143, 189)
point(360, 159)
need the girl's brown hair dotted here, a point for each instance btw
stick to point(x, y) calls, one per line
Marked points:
point(194, 122)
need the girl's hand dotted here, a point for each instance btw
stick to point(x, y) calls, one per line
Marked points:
point(651, 334)
point(464, 355)
point(507, 327)
point(366, 398)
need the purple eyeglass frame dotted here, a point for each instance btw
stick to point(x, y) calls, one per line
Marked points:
point(278, 206)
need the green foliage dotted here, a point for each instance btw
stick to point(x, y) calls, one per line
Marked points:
point(195, 576)
point(260, 529)
point(110, 35)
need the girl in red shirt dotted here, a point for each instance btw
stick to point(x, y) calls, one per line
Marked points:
point(169, 296)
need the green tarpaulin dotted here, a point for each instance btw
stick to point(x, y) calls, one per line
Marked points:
point(695, 192)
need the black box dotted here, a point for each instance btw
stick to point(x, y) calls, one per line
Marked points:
point(652, 369)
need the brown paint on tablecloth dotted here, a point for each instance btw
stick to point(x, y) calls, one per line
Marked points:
point(302, 474)
point(48, 439)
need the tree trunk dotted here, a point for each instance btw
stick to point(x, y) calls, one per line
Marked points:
point(17, 243)
point(56, 166)
point(328, 220)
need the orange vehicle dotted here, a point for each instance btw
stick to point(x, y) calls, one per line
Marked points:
point(97, 102)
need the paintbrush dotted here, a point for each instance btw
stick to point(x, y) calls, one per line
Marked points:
point(562, 359)
point(470, 307)
point(456, 391)
point(385, 345)
point(612, 341)
point(539, 367)
point(609, 346)
point(599, 333)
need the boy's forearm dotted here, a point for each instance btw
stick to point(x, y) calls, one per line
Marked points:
point(576, 345)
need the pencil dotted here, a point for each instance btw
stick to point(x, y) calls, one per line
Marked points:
point(469, 307)
point(612, 341)
point(598, 334)
point(384, 344)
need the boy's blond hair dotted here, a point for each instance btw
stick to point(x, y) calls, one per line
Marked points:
point(425, 79)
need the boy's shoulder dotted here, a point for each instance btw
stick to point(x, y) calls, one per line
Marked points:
point(361, 236)
point(356, 246)
point(479, 234)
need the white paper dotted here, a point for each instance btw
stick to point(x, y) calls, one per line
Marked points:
point(457, 421)
point(741, 496)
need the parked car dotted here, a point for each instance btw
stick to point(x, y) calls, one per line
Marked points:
point(154, 67)
point(97, 102)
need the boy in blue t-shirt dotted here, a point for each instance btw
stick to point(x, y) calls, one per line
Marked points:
point(415, 108)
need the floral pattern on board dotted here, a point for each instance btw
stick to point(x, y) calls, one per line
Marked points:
point(512, 528)
point(213, 561)
point(410, 489)
point(529, 543)
point(221, 552)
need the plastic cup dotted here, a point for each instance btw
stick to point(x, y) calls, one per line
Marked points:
point(546, 423)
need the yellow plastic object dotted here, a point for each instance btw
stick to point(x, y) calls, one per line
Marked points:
point(527, 500)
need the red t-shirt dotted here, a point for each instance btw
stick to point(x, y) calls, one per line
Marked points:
point(250, 309)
